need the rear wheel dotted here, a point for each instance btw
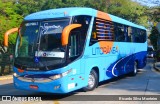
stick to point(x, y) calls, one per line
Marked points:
point(92, 81)
point(145, 61)
point(134, 72)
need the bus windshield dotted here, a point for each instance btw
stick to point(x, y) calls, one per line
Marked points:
point(39, 44)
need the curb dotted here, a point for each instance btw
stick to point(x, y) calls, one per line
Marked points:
point(156, 68)
point(6, 77)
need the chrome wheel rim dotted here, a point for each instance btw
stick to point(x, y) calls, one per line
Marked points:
point(91, 81)
point(135, 67)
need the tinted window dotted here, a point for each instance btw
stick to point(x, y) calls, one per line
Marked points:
point(84, 21)
point(51, 34)
point(103, 30)
point(138, 35)
point(124, 33)
point(74, 44)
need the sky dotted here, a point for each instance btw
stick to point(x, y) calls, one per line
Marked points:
point(150, 3)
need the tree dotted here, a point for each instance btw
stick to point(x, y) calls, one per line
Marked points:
point(25, 7)
point(96, 4)
point(154, 17)
point(154, 37)
point(13, 12)
point(8, 19)
point(129, 10)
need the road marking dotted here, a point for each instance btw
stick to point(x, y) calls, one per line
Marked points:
point(5, 78)
point(56, 102)
point(31, 102)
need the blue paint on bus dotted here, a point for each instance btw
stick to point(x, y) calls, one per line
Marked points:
point(111, 61)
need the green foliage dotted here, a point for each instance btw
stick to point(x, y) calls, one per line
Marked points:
point(97, 4)
point(154, 14)
point(12, 12)
point(154, 17)
point(154, 37)
point(129, 10)
point(25, 7)
point(8, 19)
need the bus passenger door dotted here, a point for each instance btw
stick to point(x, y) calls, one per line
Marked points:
point(74, 51)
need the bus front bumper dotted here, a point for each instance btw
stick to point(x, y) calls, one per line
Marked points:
point(55, 86)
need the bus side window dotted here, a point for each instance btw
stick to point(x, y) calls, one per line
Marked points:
point(129, 34)
point(115, 32)
point(93, 38)
point(143, 36)
point(74, 44)
point(102, 30)
point(126, 34)
point(84, 21)
point(133, 35)
point(120, 36)
point(138, 35)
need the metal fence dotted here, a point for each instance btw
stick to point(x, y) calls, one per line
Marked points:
point(6, 61)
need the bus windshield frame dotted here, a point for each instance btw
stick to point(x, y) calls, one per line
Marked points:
point(38, 44)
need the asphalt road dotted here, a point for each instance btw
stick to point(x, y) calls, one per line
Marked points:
point(146, 82)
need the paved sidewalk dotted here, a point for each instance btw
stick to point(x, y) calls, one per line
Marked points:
point(156, 65)
point(6, 77)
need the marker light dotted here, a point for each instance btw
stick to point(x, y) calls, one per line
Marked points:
point(54, 77)
point(65, 13)
point(20, 70)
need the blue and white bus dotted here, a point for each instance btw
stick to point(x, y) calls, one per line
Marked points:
point(62, 50)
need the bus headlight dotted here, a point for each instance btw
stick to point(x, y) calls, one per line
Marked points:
point(61, 75)
point(56, 76)
point(15, 75)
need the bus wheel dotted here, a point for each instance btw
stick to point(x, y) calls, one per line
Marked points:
point(92, 81)
point(134, 72)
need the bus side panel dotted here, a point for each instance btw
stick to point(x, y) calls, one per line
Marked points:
point(77, 78)
point(95, 62)
point(96, 58)
point(118, 61)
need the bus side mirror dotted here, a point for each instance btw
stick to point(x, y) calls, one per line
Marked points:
point(13, 30)
point(66, 31)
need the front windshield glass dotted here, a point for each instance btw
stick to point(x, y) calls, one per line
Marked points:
point(27, 39)
point(39, 44)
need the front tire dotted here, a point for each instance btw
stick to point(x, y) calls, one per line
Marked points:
point(92, 81)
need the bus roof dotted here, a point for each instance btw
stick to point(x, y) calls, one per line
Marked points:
point(73, 11)
point(61, 12)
